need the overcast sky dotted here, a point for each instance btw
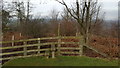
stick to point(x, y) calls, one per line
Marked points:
point(44, 7)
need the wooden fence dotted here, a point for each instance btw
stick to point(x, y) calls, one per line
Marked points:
point(39, 44)
point(44, 51)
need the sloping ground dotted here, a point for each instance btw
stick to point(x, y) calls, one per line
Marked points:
point(106, 45)
point(61, 61)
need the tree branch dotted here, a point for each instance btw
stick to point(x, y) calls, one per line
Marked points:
point(63, 3)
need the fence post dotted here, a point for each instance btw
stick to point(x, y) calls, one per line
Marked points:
point(47, 54)
point(25, 49)
point(53, 51)
point(20, 35)
point(13, 38)
point(59, 45)
point(81, 46)
point(59, 39)
point(39, 46)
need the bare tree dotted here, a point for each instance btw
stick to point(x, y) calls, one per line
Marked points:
point(86, 13)
point(1, 7)
point(19, 10)
point(29, 8)
point(68, 25)
point(5, 16)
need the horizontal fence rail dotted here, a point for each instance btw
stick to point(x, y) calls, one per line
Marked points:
point(64, 37)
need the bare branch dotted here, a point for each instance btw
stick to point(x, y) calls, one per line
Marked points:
point(69, 10)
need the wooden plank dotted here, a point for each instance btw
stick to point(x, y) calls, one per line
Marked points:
point(1, 48)
point(48, 38)
point(40, 39)
point(19, 40)
point(103, 54)
point(38, 49)
point(68, 37)
point(47, 49)
point(11, 53)
point(49, 43)
point(23, 51)
point(28, 40)
point(21, 56)
point(69, 43)
point(28, 45)
point(69, 52)
point(70, 48)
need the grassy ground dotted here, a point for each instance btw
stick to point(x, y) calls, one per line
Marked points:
point(61, 61)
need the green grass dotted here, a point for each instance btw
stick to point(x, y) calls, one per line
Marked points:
point(61, 61)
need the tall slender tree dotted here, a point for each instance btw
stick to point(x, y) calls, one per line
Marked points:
point(19, 8)
point(5, 15)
